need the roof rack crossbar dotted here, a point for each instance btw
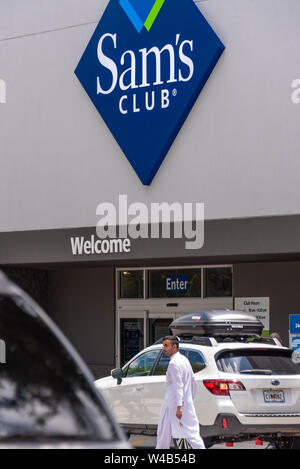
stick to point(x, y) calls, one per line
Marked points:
point(213, 341)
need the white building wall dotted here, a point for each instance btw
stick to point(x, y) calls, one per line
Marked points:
point(238, 151)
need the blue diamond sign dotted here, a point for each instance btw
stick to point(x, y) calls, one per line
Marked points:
point(143, 69)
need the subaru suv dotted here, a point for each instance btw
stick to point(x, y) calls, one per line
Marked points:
point(246, 388)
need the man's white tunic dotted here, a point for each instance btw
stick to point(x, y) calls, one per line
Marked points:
point(180, 391)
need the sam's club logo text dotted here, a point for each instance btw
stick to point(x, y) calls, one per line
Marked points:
point(2, 92)
point(137, 75)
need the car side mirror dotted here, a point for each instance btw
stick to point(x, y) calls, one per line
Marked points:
point(117, 374)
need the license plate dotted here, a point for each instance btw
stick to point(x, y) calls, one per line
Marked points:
point(274, 396)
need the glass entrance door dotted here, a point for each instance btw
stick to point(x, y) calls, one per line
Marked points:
point(137, 330)
point(131, 335)
point(157, 328)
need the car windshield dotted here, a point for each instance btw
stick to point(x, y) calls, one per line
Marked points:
point(258, 361)
point(43, 393)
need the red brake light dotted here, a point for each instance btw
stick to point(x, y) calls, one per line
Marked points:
point(224, 423)
point(216, 386)
point(222, 387)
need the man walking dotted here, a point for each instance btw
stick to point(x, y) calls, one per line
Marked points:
point(178, 418)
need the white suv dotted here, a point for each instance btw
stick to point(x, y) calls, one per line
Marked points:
point(244, 390)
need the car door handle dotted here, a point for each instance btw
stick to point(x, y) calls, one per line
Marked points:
point(139, 388)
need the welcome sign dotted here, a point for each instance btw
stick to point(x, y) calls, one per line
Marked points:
point(143, 69)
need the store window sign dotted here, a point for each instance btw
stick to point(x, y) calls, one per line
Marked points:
point(294, 332)
point(295, 343)
point(177, 284)
point(258, 307)
point(143, 69)
point(295, 324)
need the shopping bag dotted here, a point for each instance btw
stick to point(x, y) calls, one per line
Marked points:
point(181, 443)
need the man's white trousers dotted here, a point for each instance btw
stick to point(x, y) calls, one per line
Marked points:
point(164, 434)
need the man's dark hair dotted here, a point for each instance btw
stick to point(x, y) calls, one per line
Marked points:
point(173, 339)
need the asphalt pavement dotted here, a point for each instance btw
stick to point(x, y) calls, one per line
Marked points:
point(144, 441)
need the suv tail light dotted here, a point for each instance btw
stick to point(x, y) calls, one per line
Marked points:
point(222, 387)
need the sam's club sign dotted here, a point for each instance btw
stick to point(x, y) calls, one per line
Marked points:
point(143, 69)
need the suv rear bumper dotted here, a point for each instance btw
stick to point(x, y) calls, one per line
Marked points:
point(235, 429)
point(228, 425)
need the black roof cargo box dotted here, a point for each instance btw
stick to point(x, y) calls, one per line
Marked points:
point(217, 323)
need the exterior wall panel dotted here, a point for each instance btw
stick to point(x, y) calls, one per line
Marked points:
point(81, 302)
point(237, 151)
point(277, 280)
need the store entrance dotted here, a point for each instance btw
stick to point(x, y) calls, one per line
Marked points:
point(137, 330)
point(149, 299)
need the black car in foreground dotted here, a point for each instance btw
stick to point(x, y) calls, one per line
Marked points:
point(47, 395)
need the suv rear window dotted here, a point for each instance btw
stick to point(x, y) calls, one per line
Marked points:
point(258, 361)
